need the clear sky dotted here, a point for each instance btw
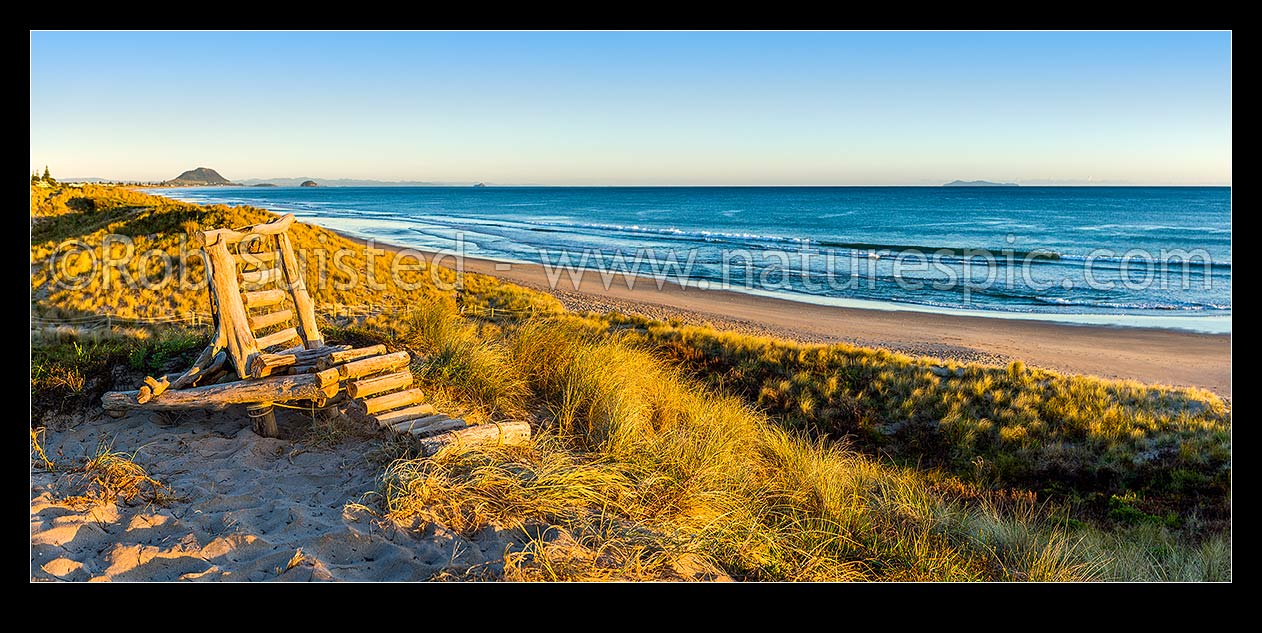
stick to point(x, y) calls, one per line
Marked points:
point(637, 108)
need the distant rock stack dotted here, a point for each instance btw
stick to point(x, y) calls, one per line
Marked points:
point(309, 183)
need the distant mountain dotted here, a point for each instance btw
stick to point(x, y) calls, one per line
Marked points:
point(979, 183)
point(198, 177)
point(93, 180)
point(350, 182)
point(309, 183)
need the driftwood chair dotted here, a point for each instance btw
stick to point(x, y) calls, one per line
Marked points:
point(267, 347)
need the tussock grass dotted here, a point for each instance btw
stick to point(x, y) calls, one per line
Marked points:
point(110, 476)
point(71, 374)
point(90, 214)
point(638, 472)
point(38, 458)
point(1072, 436)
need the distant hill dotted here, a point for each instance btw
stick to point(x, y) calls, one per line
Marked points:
point(309, 183)
point(979, 183)
point(199, 176)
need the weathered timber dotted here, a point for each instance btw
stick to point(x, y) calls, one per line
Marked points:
point(378, 384)
point(276, 338)
point(262, 298)
point(271, 389)
point(230, 236)
point(298, 290)
point(418, 428)
point(483, 434)
point(258, 260)
point(348, 355)
point(260, 321)
point(232, 316)
point(411, 413)
point(264, 418)
point(373, 365)
point(392, 401)
point(260, 277)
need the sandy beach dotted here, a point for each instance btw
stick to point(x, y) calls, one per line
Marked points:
point(1149, 355)
point(244, 506)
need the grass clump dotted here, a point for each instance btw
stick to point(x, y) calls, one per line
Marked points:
point(1074, 437)
point(110, 476)
point(637, 472)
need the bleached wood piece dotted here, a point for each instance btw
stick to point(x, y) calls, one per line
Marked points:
point(298, 290)
point(348, 355)
point(413, 412)
point(378, 384)
point(506, 433)
point(276, 338)
point(392, 401)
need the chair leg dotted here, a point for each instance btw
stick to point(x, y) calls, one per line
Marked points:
point(264, 417)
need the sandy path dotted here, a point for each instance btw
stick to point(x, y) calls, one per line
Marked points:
point(247, 505)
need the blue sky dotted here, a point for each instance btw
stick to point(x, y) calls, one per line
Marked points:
point(637, 108)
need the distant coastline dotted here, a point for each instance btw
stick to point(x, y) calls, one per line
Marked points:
point(979, 183)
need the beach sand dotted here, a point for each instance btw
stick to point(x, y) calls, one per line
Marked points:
point(244, 506)
point(1149, 355)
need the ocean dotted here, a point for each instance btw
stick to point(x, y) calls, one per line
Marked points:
point(1151, 256)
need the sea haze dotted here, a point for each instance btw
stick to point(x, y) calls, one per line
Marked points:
point(861, 230)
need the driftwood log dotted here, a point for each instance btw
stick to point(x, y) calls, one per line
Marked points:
point(392, 401)
point(377, 384)
point(491, 433)
point(259, 390)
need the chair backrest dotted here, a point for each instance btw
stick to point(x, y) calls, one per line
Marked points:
point(258, 296)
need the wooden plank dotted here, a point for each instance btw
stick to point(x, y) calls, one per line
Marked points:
point(231, 236)
point(257, 260)
point(506, 433)
point(233, 321)
point(419, 428)
point(265, 364)
point(436, 428)
point(276, 338)
point(392, 401)
point(411, 413)
point(262, 298)
point(348, 355)
point(260, 277)
point(298, 290)
point(378, 384)
point(374, 364)
point(260, 321)
point(254, 391)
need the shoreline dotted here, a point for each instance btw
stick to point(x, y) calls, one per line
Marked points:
point(1155, 356)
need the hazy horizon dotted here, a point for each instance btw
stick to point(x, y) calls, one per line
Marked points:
point(637, 108)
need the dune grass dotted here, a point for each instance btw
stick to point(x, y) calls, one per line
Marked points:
point(1070, 436)
point(103, 223)
point(639, 472)
point(110, 476)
